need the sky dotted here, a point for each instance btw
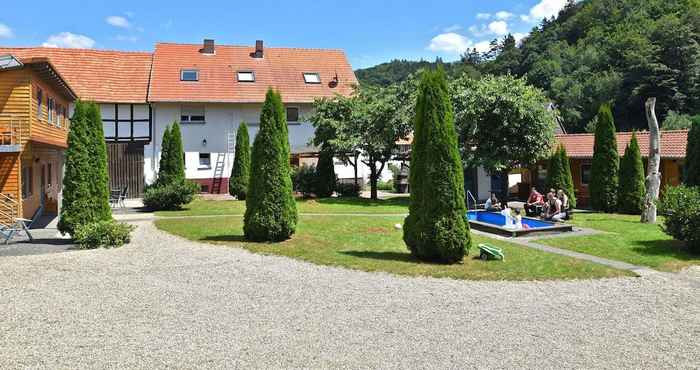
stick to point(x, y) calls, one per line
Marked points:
point(370, 32)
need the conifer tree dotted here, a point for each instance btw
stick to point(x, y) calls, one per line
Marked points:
point(164, 168)
point(692, 157)
point(240, 173)
point(176, 155)
point(436, 228)
point(325, 174)
point(99, 172)
point(605, 165)
point(631, 191)
point(271, 213)
point(568, 185)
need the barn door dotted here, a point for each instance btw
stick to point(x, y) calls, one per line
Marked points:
point(125, 161)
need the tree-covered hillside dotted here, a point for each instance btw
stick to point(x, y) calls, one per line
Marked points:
point(395, 71)
point(597, 51)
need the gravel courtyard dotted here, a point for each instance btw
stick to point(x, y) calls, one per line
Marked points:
point(166, 302)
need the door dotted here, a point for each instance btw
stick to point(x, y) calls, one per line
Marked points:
point(125, 162)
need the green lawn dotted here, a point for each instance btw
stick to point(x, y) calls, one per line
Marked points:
point(628, 240)
point(373, 244)
point(202, 207)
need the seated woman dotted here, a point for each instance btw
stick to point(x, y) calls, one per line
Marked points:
point(533, 206)
point(554, 209)
point(492, 204)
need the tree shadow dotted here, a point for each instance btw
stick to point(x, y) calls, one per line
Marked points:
point(383, 256)
point(225, 238)
point(670, 248)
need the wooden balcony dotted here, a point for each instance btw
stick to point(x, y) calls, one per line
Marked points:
point(11, 134)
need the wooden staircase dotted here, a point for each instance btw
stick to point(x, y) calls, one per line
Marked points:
point(9, 210)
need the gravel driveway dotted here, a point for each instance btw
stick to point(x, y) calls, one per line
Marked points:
point(166, 302)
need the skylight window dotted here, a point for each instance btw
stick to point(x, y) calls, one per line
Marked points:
point(246, 76)
point(189, 75)
point(312, 78)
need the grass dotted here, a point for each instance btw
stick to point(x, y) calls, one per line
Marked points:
point(628, 240)
point(203, 207)
point(373, 244)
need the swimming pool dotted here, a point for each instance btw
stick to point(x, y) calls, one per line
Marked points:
point(494, 222)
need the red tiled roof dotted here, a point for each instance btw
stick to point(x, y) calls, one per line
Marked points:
point(281, 68)
point(673, 143)
point(98, 75)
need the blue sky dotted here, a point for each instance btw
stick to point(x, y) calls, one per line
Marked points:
point(370, 32)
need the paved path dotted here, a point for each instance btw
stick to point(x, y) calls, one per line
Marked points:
point(167, 302)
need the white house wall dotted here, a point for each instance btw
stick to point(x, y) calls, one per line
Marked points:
point(221, 119)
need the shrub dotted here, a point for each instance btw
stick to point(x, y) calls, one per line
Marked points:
point(630, 197)
point(395, 177)
point(346, 189)
point(606, 163)
point(171, 196)
point(305, 180)
point(692, 157)
point(271, 213)
point(385, 185)
point(85, 187)
point(171, 168)
point(681, 208)
point(107, 234)
point(240, 173)
point(559, 174)
point(436, 228)
point(325, 174)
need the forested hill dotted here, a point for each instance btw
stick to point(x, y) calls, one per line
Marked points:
point(596, 51)
point(398, 70)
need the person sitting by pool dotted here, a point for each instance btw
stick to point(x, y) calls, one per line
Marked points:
point(534, 203)
point(555, 211)
point(565, 206)
point(492, 204)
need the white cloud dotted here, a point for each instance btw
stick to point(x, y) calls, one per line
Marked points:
point(6, 32)
point(69, 40)
point(452, 28)
point(499, 28)
point(519, 36)
point(482, 46)
point(449, 42)
point(504, 15)
point(483, 15)
point(118, 21)
point(544, 9)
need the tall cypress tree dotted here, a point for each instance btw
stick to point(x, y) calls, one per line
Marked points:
point(555, 171)
point(240, 173)
point(630, 197)
point(692, 156)
point(99, 173)
point(271, 213)
point(85, 188)
point(325, 174)
point(164, 169)
point(177, 154)
point(436, 228)
point(568, 185)
point(606, 163)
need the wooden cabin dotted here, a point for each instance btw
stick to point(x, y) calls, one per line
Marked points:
point(34, 101)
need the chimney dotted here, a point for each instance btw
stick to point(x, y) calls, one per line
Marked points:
point(258, 49)
point(208, 47)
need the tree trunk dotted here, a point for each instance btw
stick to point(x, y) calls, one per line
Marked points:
point(373, 180)
point(653, 180)
point(354, 165)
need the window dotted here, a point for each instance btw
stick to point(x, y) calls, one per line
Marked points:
point(59, 113)
point(585, 174)
point(27, 182)
point(49, 174)
point(204, 160)
point(246, 76)
point(50, 107)
point(189, 75)
point(312, 78)
point(292, 114)
point(192, 114)
point(39, 101)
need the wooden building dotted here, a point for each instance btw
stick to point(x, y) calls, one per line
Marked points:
point(34, 101)
point(579, 148)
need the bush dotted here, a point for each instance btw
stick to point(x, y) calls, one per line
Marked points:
point(395, 177)
point(346, 189)
point(305, 180)
point(692, 156)
point(240, 173)
point(107, 234)
point(385, 185)
point(681, 207)
point(271, 212)
point(170, 197)
point(606, 163)
point(325, 174)
point(559, 175)
point(630, 197)
point(436, 228)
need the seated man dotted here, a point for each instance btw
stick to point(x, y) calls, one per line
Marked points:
point(492, 204)
point(534, 204)
point(554, 212)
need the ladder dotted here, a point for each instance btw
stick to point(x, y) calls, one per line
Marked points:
point(9, 208)
point(218, 173)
